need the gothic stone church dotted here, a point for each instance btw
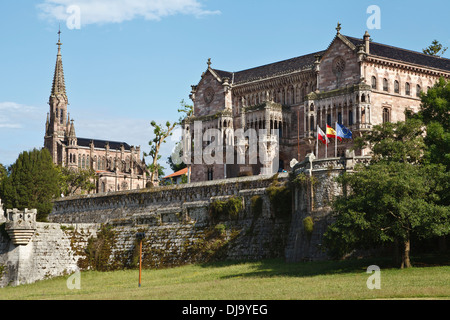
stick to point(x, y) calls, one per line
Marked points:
point(117, 164)
point(355, 82)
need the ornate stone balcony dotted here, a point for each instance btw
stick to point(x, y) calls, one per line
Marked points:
point(20, 226)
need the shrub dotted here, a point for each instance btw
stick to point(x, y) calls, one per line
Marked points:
point(229, 208)
point(308, 226)
point(220, 229)
point(280, 199)
point(257, 205)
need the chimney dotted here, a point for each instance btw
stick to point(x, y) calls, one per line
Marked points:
point(367, 42)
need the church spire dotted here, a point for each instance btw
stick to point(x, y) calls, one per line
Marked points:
point(59, 86)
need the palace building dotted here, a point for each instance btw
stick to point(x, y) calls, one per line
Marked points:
point(118, 165)
point(355, 82)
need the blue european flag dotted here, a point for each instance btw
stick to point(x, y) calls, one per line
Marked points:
point(343, 132)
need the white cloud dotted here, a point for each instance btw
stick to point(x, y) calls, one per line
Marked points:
point(116, 11)
point(16, 116)
point(21, 128)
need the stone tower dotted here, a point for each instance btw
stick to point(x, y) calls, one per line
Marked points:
point(58, 123)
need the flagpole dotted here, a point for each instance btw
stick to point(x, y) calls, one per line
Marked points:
point(326, 146)
point(335, 143)
point(317, 143)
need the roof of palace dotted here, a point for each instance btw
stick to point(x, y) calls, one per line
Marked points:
point(101, 144)
point(404, 55)
point(307, 61)
point(270, 70)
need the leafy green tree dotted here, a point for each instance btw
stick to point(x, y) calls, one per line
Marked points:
point(3, 182)
point(435, 49)
point(74, 181)
point(394, 142)
point(3, 172)
point(435, 114)
point(33, 183)
point(186, 111)
point(161, 134)
point(387, 203)
point(176, 165)
point(393, 199)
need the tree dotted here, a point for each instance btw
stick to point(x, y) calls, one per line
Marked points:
point(161, 133)
point(435, 49)
point(33, 183)
point(73, 181)
point(174, 164)
point(394, 142)
point(435, 114)
point(396, 197)
point(174, 160)
point(186, 111)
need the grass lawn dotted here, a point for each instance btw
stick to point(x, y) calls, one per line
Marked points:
point(261, 280)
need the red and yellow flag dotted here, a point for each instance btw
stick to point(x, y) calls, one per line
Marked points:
point(331, 133)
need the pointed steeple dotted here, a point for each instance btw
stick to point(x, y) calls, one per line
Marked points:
point(72, 130)
point(59, 86)
point(58, 102)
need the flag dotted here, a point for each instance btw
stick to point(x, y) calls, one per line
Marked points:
point(321, 136)
point(331, 133)
point(343, 132)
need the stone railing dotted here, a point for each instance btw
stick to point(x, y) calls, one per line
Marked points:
point(100, 208)
point(310, 163)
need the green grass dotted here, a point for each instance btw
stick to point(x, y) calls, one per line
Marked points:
point(262, 280)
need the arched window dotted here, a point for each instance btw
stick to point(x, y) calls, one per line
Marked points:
point(396, 87)
point(340, 118)
point(79, 161)
point(386, 115)
point(88, 163)
point(103, 188)
point(350, 117)
point(385, 85)
point(374, 82)
point(329, 119)
point(83, 162)
point(418, 91)
point(407, 89)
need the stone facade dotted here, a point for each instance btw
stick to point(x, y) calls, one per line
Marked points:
point(118, 165)
point(355, 82)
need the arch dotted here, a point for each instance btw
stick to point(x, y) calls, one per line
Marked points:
point(374, 82)
point(396, 86)
point(418, 90)
point(407, 89)
point(386, 115)
point(385, 84)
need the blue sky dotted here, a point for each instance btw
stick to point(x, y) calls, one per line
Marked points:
point(133, 61)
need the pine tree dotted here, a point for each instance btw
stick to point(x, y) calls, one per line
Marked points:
point(32, 183)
